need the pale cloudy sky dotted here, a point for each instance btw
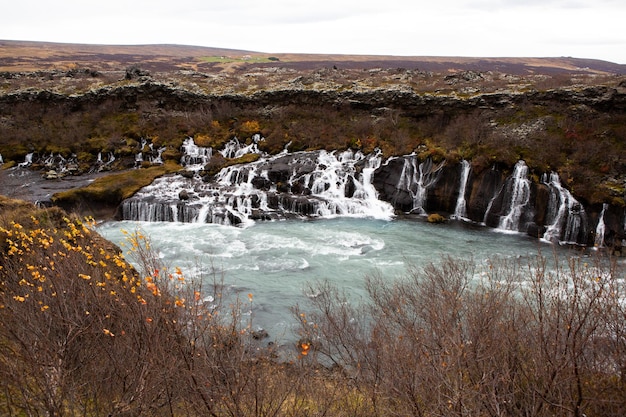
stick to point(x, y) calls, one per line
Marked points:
point(487, 28)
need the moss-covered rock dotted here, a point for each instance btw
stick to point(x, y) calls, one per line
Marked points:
point(435, 218)
point(106, 193)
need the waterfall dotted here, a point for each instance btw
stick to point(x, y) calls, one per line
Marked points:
point(194, 156)
point(366, 190)
point(518, 197)
point(158, 158)
point(565, 215)
point(490, 204)
point(576, 225)
point(600, 228)
point(460, 211)
point(28, 160)
point(234, 149)
point(341, 191)
point(416, 179)
point(138, 159)
point(1, 160)
point(231, 148)
point(319, 183)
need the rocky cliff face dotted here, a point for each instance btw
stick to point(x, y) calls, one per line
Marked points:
point(321, 184)
point(509, 201)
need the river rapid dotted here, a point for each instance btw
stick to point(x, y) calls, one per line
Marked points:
point(278, 261)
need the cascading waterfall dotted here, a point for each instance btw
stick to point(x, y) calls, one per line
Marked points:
point(416, 179)
point(100, 164)
point(52, 160)
point(331, 185)
point(576, 225)
point(194, 155)
point(1, 160)
point(138, 159)
point(366, 191)
point(460, 211)
point(158, 158)
point(28, 161)
point(518, 197)
point(234, 149)
point(565, 216)
point(341, 191)
point(600, 229)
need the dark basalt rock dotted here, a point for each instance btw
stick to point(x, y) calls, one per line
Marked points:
point(443, 196)
point(285, 167)
point(481, 189)
point(386, 179)
point(487, 201)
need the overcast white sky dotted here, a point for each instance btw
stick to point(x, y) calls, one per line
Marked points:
point(485, 28)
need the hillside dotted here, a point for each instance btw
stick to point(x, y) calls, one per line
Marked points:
point(34, 56)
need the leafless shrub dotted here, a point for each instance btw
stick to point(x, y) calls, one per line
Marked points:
point(502, 340)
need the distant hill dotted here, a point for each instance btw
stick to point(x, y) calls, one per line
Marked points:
point(34, 56)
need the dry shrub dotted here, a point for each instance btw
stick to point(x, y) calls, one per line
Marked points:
point(81, 331)
point(503, 340)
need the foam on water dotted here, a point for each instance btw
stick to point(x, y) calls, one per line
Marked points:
point(276, 261)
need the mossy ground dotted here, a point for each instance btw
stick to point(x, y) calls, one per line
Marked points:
point(112, 189)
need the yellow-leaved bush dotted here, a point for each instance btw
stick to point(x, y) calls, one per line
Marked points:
point(82, 329)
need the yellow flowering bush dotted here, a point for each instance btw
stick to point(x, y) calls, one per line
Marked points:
point(73, 310)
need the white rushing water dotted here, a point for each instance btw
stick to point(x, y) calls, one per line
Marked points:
point(28, 160)
point(566, 217)
point(276, 260)
point(337, 188)
point(416, 179)
point(517, 198)
point(600, 228)
point(460, 211)
point(194, 155)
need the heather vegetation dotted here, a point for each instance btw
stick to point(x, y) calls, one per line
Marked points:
point(82, 332)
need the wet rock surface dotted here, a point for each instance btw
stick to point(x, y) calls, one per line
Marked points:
point(29, 185)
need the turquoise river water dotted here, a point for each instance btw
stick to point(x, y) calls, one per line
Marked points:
point(276, 261)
